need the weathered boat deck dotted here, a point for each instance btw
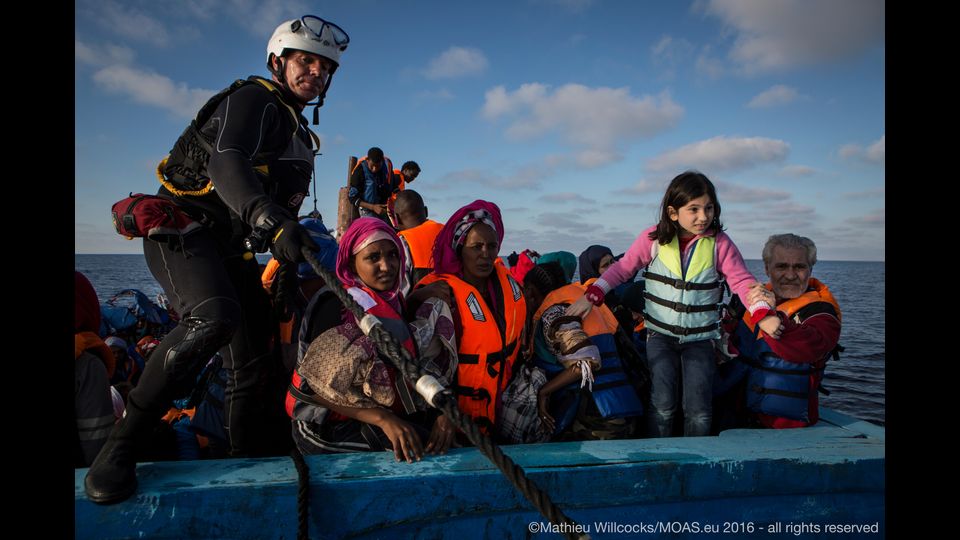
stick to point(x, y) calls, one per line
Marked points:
point(832, 473)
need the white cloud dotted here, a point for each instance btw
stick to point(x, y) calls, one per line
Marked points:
point(797, 170)
point(875, 153)
point(566, 197)
point(866, 194)
point(457, 62)
point(773, 96)
point(708, 64)
point(721, 154)
point(525, 176)
point(101, 55)
point(735, 193)
point(575, 237)
point(132, 23)
point(851, 150)
point(643, 187)
point(560, 220)
point(597, 157)
point(597, 120)
point(780, 35)
point(261, 17)
point(877, 217)
point(153, 89)
point(671, 50)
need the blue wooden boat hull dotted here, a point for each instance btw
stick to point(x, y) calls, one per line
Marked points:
point(740, 484)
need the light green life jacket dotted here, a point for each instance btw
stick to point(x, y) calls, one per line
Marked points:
point(684, 303)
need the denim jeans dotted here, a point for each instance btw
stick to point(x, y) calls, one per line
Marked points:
point(692, 363)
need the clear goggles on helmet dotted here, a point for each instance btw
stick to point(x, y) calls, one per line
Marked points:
point(315, 25)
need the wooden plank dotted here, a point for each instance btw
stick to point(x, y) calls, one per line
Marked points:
point(346, 212)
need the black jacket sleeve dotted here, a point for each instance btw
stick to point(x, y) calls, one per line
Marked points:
point(357, 185)
point(247, 122)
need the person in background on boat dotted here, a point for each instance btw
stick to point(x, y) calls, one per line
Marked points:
point(588, 396)
point(488, 309)
point(407, 174)
point(346, 397)
point(525, 261)
point(252, 144)
point(687, 256)
point(372, 182)
point(129, 363)
point(633, 301)
point(93, 366)
point(784, 373)
point(300, 284)
point(566, 260)
point(417, 233)
point(594, 261)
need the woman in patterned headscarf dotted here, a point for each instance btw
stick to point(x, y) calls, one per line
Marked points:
point(488, 309)
point(347, 397)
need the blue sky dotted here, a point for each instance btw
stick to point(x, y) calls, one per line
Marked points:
point(571, 115)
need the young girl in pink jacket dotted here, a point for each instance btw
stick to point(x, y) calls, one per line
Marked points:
point(687, 256)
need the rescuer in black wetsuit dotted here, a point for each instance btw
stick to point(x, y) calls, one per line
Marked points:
point(241, 169)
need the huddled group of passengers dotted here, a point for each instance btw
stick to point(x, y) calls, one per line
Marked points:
point(534, 347)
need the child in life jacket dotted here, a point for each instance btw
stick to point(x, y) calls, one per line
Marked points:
point(687, 256)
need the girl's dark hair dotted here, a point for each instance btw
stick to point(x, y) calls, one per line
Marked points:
point(684, 188)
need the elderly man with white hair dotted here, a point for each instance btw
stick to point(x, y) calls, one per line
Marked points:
point(785, 373)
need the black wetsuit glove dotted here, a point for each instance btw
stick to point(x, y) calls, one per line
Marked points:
point(287, 240)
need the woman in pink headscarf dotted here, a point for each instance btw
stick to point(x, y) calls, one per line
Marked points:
point(488, 308)
point(346, 396)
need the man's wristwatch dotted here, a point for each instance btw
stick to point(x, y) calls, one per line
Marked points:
point(259, 239)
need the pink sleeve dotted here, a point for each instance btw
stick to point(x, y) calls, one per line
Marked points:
point(730, 264)
point(637, 257)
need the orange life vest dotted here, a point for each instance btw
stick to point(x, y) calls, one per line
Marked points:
point(599, 320)
point(421, 239)
point(386, 161)
point(486, 355)
point(818, 293)
point(90, 341)
point(612, 392)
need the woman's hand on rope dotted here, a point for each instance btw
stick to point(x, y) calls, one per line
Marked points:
point(441, 436)
point(403, 437)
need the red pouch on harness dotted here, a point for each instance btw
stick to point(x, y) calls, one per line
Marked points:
point(150, 216)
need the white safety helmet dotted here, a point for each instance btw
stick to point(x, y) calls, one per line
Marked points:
point(311, 34)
